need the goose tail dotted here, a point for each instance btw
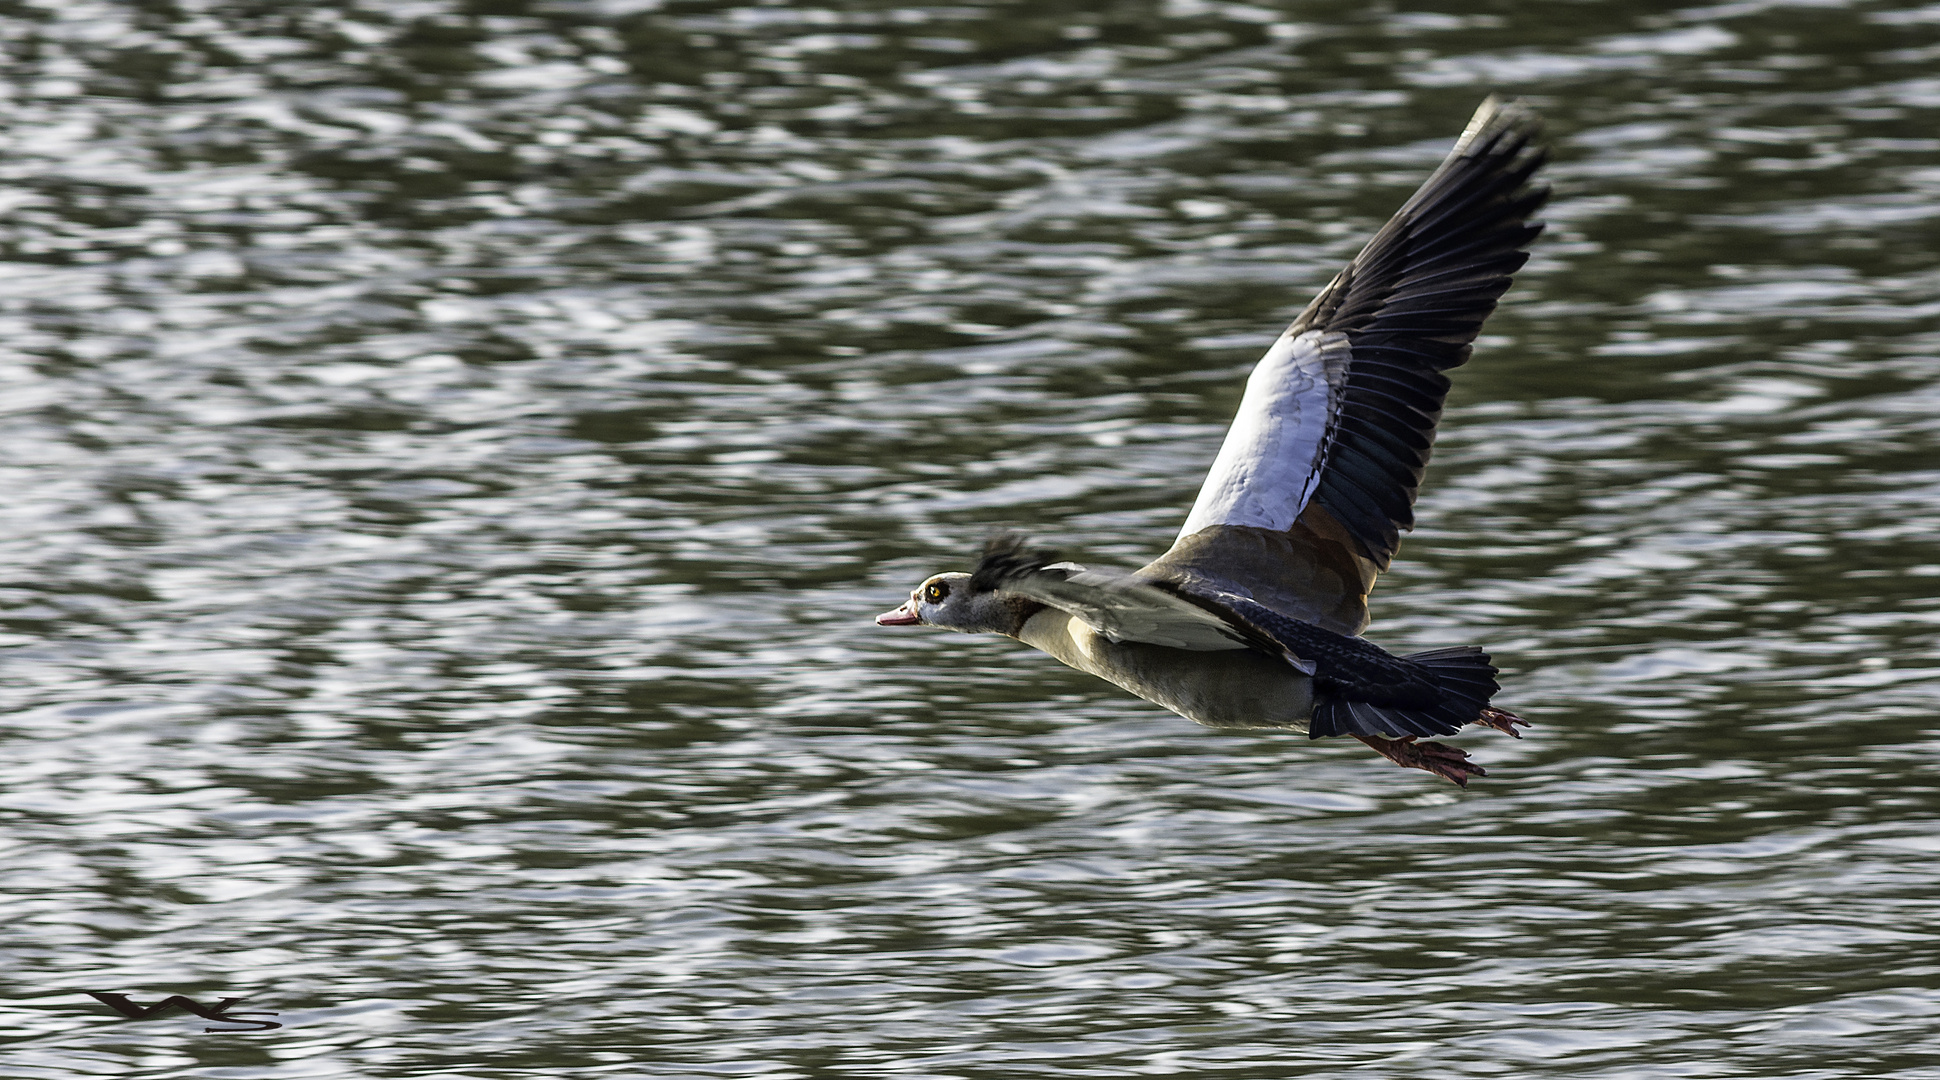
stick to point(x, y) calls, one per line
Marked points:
point(1456, 685)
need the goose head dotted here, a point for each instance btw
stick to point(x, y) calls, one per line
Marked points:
point(948, 601)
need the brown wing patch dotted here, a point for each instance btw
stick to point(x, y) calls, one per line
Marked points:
point(1310, 572)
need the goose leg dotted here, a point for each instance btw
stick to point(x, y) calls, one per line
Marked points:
point(1502, 720)
point(1442, 760)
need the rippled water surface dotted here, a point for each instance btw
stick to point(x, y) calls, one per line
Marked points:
point(453, 451)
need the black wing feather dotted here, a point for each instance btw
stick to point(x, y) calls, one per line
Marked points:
point(1411, 304)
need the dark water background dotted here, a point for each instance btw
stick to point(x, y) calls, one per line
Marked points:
point(451, 453)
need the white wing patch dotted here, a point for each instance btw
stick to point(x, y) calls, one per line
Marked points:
point(1269, 465)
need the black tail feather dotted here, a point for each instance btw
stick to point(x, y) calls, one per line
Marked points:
point(1463, 679)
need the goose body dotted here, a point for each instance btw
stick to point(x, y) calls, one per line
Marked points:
point(1253, 618)
point(1231, 688)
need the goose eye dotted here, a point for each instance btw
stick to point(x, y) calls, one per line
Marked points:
point(935, 592)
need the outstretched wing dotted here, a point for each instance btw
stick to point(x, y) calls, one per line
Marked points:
point(1316, 481)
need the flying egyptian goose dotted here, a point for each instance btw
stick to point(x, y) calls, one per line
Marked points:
point(1253, 618)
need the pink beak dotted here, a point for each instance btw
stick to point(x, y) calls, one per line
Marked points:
point(902, 616)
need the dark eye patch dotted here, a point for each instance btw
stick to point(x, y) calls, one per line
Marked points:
point(935, 592)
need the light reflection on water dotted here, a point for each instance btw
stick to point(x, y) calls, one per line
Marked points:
point(455, 451)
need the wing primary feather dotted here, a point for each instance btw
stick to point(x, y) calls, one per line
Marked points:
point(1007, 557)
point(1411, 305)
